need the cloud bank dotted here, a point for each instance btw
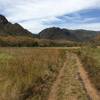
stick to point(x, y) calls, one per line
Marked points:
point(36, 15)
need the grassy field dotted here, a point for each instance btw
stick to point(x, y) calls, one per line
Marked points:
point(90, 58)
point(28, 73)
point(71, 87)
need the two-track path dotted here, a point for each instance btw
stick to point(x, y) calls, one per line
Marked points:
point(54, 88)
point(91, 91)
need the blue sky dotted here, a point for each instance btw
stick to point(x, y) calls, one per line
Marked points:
point(36, 15)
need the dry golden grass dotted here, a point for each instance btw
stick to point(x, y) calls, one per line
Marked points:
point(90, 58)
point(28, 73)
point(71, 86)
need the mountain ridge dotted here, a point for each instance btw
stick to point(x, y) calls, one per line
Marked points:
point(66, 34)
point(53, 33)
point(7, 28)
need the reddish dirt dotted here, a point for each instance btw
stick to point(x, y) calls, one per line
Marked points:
point(54, 88)
point(91, 91)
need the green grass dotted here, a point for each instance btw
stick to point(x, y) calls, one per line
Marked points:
point(5, 56)
point(28, 73)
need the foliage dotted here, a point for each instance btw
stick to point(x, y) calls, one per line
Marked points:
point(26, 41)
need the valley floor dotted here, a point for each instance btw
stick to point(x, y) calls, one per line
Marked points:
point(72, 82)
point(48, 74)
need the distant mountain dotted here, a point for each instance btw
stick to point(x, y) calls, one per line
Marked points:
point(84, 35)
point(65, 34)
point(7, 28)
point(96, 39)
point(56, 34)
point(53, 33)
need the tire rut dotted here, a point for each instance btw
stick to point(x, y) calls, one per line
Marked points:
point(91, 91)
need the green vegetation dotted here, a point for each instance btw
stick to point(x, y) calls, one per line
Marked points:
point(90, 58)
point(18, 41)
point(26, 41)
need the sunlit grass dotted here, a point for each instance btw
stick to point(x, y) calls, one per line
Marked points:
point(28, 72)
point(91, 61)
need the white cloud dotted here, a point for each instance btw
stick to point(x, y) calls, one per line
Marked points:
point(92, 26)
point(88, 26)
point(36, 11)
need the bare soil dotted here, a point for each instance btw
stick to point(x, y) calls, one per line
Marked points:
point(54, 88)
point(91, 91)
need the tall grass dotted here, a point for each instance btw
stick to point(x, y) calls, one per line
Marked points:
point(27, 73)
point(90, 58)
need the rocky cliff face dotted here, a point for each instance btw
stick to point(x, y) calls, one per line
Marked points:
point(3, 20)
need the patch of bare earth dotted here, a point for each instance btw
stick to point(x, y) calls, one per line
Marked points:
point(66, 85)
point(91, 91)
point(54, 88)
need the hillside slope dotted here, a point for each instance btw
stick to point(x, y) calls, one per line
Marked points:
point(7, 28)
point(55, 33)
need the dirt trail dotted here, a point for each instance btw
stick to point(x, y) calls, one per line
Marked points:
point(54, 88)
point(91, 91)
